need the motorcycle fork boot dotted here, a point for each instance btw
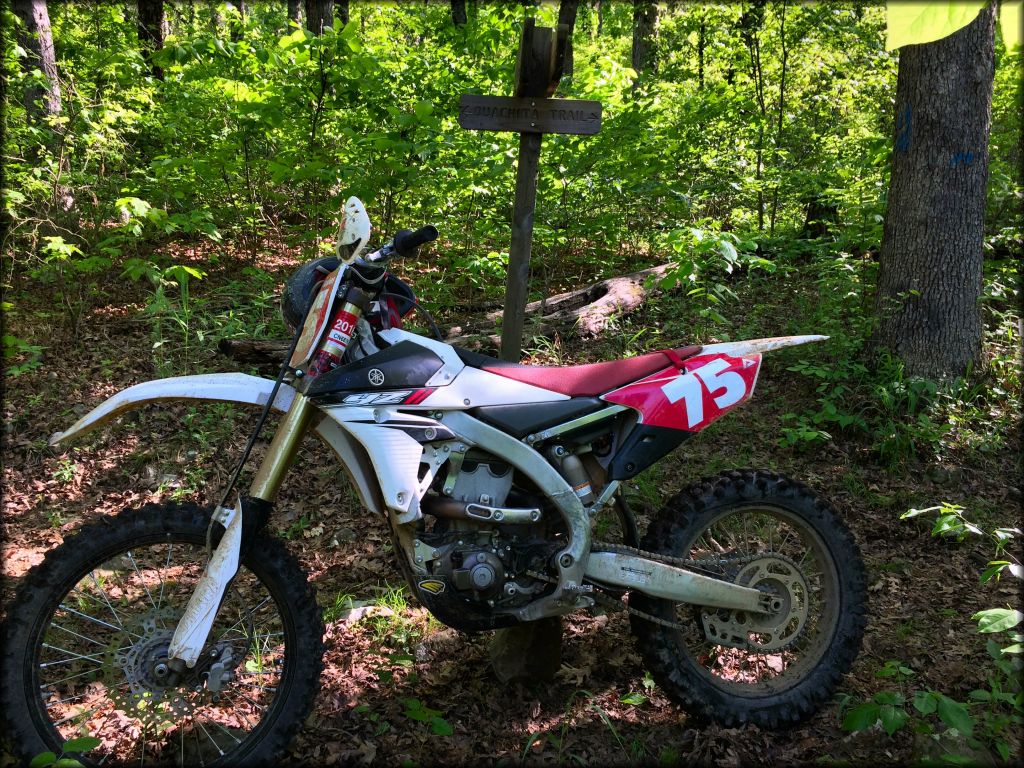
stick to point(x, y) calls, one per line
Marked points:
point(240, 525)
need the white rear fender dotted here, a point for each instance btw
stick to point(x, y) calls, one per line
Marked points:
point(752, 346)
point(238, 388)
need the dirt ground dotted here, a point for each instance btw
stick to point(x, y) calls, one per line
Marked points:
point(922, 591)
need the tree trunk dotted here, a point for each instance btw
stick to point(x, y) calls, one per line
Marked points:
point(319, 14)
point(645, 28)
point(238, 26)
point(341, 12)
point(37, 40)
point(701, 45)
point(151, 32)
point(567, 15)
point(782, 112)
point(294, 10)
point(930, 275)
point(750, 27)
point(459, 12)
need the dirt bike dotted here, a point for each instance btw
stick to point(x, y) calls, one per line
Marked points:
point(171, 634)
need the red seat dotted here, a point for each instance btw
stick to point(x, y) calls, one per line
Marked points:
point(587, 380)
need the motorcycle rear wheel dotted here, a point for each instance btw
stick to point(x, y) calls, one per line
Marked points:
point(85, 640)
point(765, 531)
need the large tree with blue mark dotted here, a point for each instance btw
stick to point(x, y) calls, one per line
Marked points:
point(930, 278)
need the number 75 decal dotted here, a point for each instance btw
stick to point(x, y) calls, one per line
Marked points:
point(711, 386)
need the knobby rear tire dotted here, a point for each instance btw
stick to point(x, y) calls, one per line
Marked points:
point(689, 667)
point(112, 540)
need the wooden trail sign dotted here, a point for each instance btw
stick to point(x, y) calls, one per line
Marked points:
point(531, 113)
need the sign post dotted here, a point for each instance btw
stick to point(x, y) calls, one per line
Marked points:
point(531, 112)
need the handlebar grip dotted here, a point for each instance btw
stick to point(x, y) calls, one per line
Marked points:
point(406, 242)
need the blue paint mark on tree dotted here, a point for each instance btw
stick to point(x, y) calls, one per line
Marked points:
point(961, 158)
point(903, 126)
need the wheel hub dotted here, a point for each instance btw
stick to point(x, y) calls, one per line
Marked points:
point(137, 656)
point(781, 579)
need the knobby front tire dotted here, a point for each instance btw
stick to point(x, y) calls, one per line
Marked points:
point(83, 640)
point(765, 531)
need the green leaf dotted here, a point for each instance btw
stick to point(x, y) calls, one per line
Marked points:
point(955, 715)
point(82, 744)
point(1003, 748)
point(1011, 16)
point(997, 619)
point(423, 109)
point(633, 699)
point(914, 23)
point(861, 717)
point(924, 702)
point(893, 718)
point(441, 727)
point(42, 760)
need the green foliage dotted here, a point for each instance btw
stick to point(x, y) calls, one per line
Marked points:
point(63, 760)
point(986, 720)
point(420, 712)
point(703, 258)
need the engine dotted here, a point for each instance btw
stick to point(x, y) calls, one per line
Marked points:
point(488, 546)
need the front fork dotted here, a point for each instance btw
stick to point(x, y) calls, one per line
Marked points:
point(241, 522)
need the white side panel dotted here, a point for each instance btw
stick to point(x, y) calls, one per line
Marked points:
point(741, 348)
point(396, 458)
point(360, 471)
point(215, 387)
point(474, 387)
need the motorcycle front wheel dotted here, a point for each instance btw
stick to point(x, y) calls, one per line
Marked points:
point(767, 532)
point(85, 642)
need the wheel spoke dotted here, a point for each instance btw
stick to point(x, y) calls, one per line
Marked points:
point(142, 581)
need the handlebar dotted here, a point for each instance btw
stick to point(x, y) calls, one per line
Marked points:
point(407, 242)
point(404, 243)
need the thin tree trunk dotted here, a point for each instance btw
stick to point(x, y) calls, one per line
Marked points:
point(459, 12)
point(701, 44)
point(567, 10)
point(645, 28)
point(782, 109)
point(37, 40)
point(930, 275)
point(319, 14)
point(238, 27)
point(750, 23)
point(151, 32)
point(295, 10)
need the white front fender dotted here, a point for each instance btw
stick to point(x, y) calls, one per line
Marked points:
point(213, 387)
point(239, 388)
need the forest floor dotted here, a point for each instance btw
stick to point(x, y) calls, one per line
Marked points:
point(922, 591)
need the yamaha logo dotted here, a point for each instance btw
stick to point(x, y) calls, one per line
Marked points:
point(376, 376)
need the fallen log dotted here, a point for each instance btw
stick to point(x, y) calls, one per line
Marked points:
point(256, 351)
point(585, 311)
